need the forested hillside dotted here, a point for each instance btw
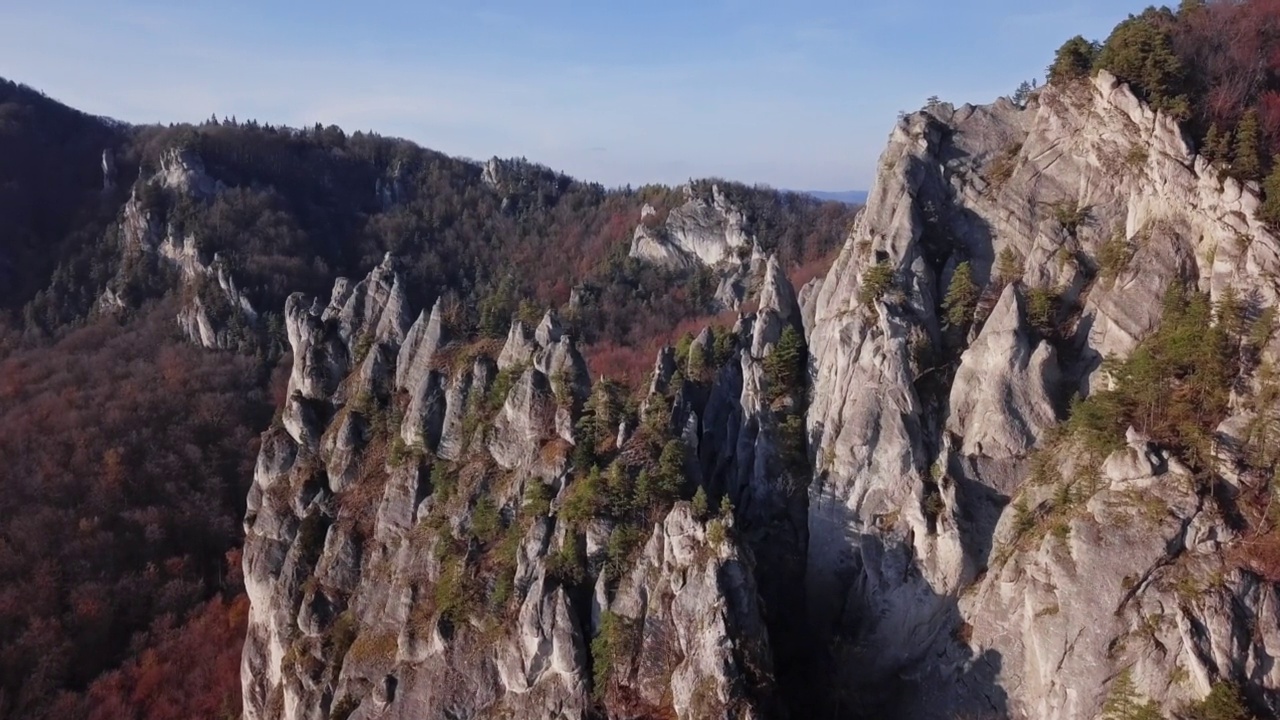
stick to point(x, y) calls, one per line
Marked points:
point(129, 449)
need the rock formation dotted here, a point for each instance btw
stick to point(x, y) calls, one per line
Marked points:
point(872, 508)
point(940, 606)
point(370, 550)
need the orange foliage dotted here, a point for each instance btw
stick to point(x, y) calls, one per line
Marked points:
point(188, 671)
point(631, 365)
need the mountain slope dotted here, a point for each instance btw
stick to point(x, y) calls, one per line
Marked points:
point(143, 324)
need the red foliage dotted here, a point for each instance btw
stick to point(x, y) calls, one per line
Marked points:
point(187, 671)
point(631, 365)
point(1231, 51)
point(127, 455)
point(801, 274)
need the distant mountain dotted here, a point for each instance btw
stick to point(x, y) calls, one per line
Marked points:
point(848, 197)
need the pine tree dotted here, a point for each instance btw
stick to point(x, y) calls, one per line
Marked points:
point(1073, 60)
point(700, 504)
point(697, 363)
point(784, 367)
point(1140, 52)
point(1008, 265)
point(670, 471)
point(1217, 145)
point(1269, 211)
point(1246, 159)
point(1122, 702)
point(962, 296)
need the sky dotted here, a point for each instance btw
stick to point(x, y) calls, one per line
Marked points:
point(799, 94)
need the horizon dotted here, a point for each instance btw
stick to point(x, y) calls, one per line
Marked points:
point(801, 99)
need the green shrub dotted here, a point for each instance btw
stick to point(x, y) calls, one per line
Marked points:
point(1042, 308)
point(502, 384)
point(444, 481)
point(362, 348)
point(716, 533)
point(726, 342)
point(700, 506)
point(1070, 215)
point(567, 564)
point(1137, 156)
point(1024, 521)
point(682, 349)
point(485, 520)
point(583, 498)
point(455, 593)
point(1003, 165)
point(537, 499)
point(341, 635)
point(1113, 257)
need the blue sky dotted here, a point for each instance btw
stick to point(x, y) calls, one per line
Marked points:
point(799, 94)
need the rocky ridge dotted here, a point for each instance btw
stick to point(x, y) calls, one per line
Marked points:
point(215, 313)
point(891, 521)
point(399, 455)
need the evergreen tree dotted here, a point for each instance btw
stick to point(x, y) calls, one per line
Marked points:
point(1222, 703)
point(1269, 211)
point(1188, 7)
point(1246, 158)
point(1008, 266)
point(1217, 144)
point(1074, 60)
point(962, 296)
point(1123, 704)
point(785, 366)
point(1140, 52)
point(701, 506)
point(670, 471)
point(697, 364)
point(1024, 92)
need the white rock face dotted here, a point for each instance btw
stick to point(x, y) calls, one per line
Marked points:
point(342, 538)
point(1000, 400)
point(700, 231)
point(694, 604)
point(911, 502)
point(216, 313)
point(943, 558)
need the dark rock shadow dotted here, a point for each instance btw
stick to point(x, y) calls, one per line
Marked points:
point(906, 657)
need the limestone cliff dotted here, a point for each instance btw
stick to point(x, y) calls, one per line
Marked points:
point(215, 314)
point(1092, 200)
point(409, 553)
point(861, 500)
